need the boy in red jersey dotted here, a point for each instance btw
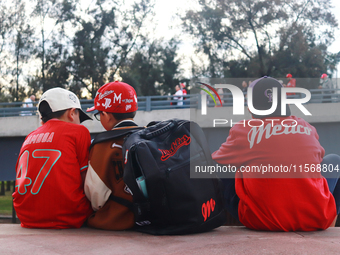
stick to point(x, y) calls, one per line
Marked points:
point(116, 105)
point(52, 165)
point(272, 199)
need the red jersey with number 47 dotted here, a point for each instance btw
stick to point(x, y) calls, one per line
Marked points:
point(49, 190)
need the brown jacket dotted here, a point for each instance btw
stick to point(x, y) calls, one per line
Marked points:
point(105, 177)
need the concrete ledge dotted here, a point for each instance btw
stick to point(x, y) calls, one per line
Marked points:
point(224, 240)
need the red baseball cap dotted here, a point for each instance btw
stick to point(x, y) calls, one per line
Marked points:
point(117, 97)
point(323, 76)
point(289, 76)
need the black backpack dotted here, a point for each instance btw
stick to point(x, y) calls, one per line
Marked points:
point(166, 200)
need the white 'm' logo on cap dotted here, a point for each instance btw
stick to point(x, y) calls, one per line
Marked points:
point(107, 103)
point(118, 98)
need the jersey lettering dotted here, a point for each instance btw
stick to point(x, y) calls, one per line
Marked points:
point(52, 157)
point(256, 134)
point(40, 138)
point(22, 181)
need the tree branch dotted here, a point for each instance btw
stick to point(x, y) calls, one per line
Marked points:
point(257, 44)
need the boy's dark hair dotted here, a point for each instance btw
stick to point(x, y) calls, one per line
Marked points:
point(123, 116)
point(46, 112)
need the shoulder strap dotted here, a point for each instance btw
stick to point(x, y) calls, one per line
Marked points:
point(140, 210)
point(108, 135)
point(122, 201)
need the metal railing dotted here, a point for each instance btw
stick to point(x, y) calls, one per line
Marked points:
point(152, 103)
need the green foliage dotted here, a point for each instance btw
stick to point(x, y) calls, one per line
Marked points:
point(96, 60)
point(263, 37)
point(89, 60)
point(153, 69)
point(57, 66)
point(6, 203)
point(22, 38)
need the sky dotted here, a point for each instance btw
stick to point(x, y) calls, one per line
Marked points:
point(165, 10)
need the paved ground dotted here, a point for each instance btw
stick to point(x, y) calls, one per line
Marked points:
point(224, 240)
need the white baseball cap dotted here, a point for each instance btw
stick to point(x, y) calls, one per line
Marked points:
point(61, 99)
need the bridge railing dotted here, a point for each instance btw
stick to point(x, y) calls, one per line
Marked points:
point(151, 103)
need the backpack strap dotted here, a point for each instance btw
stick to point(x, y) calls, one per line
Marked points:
point(122, 201)
point(140, 210)
point(115, 133)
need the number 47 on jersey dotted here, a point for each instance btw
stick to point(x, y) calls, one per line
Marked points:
point(23, 181)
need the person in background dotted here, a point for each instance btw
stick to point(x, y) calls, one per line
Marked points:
point(28, 103)
point(183, 89)
point(244, 86)
point(291, 83)
point(326, 84)
point(178, 96)
point(182, 85)
point(244, 90)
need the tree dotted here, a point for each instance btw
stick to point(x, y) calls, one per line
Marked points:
point(5, 26)
point(153, 69)
point(297, 58)
point(252, 31)
point(143, 71)
point(78, 48)
point(41, 11)
point(6, 21)
point(22, 36)
point(170, 67)
point(54, 16)
point(102, 45)
point(89, 60)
